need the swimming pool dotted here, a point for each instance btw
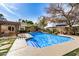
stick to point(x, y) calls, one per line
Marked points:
point(41, 39)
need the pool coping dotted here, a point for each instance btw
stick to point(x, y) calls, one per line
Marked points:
point(20, 48)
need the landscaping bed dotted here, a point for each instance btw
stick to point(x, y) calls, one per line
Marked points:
point(5, 45)
point(73, 53)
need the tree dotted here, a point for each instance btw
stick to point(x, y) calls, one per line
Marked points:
point(23, 21)
point(68, 11)
point(26, 20)
point(19, 20)
point(29, 22)
point(1, 16)
point(42, 22)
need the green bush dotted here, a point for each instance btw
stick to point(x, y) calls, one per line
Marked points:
point(70, 54)
point(53, 31)
point(49, 31)
point(22, 31)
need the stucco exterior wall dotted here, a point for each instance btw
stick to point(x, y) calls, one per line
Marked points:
point(61, 29)
point(23, 26)
point(4, 28)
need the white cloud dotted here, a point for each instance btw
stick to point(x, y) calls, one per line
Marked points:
point(3, 5)
point(10, 8)
point(5, 15)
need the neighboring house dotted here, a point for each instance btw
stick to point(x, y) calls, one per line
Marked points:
point(22, 26)
point(62, 27)
point(75, 28)
point(9, 27)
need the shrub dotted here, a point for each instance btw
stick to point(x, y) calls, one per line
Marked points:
point(53, 31)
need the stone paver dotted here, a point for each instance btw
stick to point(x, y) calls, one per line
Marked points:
point(20, 48)
point(5, 42)
point(5, 46)
point(3, 51)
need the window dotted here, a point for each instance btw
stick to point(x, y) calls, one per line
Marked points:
point(11, 28)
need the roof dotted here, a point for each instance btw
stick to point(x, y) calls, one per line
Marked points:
point(73, 25)
point(61, 24)
point(9, 23)
point(50, 25)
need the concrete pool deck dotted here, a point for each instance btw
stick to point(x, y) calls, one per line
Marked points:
point(20, 48)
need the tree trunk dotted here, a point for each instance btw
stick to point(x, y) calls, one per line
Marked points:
point(70, 30)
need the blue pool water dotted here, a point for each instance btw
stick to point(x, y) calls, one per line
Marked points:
point(41, 39)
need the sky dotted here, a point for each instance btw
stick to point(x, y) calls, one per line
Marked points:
point(30, 11)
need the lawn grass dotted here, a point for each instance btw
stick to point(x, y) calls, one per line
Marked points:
point(4, 51)
point(73, 53)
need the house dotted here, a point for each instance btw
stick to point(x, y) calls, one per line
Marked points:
point(9, 27)
point(22, 26)
point(63, 27)
point(60, 25)
point(75, 28)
